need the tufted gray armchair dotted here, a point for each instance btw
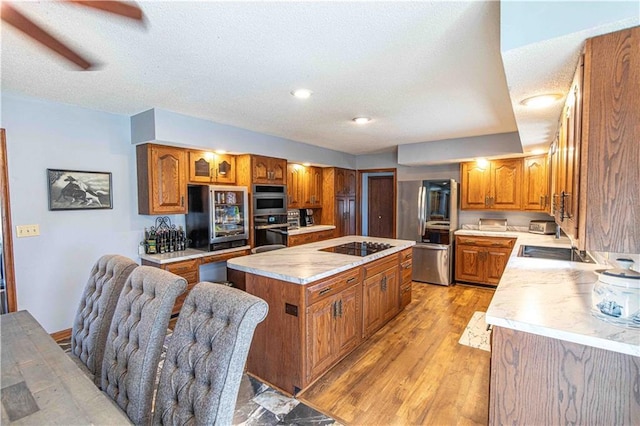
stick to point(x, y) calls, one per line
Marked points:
point(205, 359)
point(136, 337)
point(95, 311)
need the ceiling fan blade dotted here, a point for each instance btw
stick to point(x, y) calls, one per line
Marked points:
point(126, 9)
point(19, 21)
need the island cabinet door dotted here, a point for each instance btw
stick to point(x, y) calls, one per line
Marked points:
point(381, 299)
point(349, 320)
point(321, 336)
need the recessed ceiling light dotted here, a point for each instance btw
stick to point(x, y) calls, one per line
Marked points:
point(361, 120)
point(302, 93)
point(541, 101)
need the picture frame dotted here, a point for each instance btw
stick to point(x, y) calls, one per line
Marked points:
point(79, 190)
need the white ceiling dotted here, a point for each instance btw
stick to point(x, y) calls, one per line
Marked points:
point(423, 71)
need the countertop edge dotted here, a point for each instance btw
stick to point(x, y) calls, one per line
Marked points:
point(312, 247)
point(309, 229)
point(188, 254)
point(553, 333)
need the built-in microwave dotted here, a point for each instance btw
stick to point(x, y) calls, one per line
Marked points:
point(269, 200)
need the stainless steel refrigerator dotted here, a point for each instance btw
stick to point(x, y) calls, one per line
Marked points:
point(428, 214)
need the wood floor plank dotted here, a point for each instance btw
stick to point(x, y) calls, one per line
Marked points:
point(413, 371)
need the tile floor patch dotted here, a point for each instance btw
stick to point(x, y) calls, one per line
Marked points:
point(276, 402)
point(475, 333)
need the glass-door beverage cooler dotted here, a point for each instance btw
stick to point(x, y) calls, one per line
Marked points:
point(217, 218)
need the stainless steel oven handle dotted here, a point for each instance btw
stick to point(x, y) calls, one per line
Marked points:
point(273, 226)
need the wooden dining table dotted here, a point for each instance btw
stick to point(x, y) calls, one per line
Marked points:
point(41, 384)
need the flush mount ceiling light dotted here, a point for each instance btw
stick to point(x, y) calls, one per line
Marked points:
point(541, 101)
point(361, 120)
point(302, 93)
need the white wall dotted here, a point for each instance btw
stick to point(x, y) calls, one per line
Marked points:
point(52, 269)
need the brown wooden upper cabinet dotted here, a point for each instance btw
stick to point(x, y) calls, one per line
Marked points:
point(345, 182)
point(339, 199)
point(208, 167)
point(304, 186)
point(496, 185)
point(535, 194)
point(162, 179)
point(268, 170)
point(595, 163)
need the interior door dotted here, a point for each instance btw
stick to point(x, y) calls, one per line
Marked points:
point(380, 203)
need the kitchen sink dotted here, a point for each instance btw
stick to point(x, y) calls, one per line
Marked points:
point(555, 253)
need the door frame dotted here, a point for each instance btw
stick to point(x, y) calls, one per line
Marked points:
point(362, 172)
point(7, 236)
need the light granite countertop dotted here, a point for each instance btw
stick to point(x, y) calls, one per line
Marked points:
point(187, 254)
point(308, 229)
point(305, 264)
point(552, 298)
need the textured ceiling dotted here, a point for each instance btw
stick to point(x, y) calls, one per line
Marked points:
point(423, 71)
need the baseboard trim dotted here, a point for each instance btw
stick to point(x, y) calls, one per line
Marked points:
point(61, 335)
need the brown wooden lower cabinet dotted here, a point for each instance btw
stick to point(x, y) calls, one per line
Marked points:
point(482, 260)
point(190, 270)
point(310, 237)
point(406, 269)
point(539, 380)
point(310, 328)
point(381, 294)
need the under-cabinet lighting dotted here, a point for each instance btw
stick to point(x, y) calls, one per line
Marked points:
point(220, 151)
point(306, 164)
point(541, 101)
point(482, 163)
point(538, 151)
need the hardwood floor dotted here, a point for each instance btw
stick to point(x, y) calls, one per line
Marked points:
point(413, 371)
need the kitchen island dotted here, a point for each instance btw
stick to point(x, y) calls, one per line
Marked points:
point(552, 360)
point(322, 305)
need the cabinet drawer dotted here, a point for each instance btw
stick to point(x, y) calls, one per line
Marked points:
point(377, 266)
point(187, 269)
point(406, 254)
point(405, 294)
point(486, 241)
point(406, 269)
point(332, 285)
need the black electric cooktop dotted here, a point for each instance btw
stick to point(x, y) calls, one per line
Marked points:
point(364, 248)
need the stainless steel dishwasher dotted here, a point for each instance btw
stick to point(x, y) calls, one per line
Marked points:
point(432, 263)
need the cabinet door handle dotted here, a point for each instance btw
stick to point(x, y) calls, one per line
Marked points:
point(486, 200)
point(340, 308)
point(334, 308)
point(408, 266)
point(324, 291)
point(541, 203)
point(350, 280)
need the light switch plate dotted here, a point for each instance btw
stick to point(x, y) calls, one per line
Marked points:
point(27, 230)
